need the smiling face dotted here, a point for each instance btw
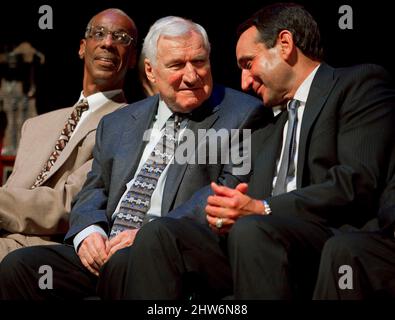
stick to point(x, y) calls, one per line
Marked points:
point(106, 62)
point(263, 70)
point(182, 71)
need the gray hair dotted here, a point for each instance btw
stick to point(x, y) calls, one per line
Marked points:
point(170, 26)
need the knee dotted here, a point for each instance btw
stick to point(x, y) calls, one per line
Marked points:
point(112, 275)
point(11, 268)
point(149, 234)
point(11, 263)
point(344, 246)
point(245, 231)
point(116, 263)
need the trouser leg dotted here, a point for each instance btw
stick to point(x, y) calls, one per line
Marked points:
point(275, 257)
point(113, 275)
point(356, 266)
point(177, 258)
point(45, 272)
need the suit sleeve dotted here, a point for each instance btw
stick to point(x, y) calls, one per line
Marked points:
point(43, 210)
point(89, 206)
point(365, 137)
point(231, 174)
point(386, 213)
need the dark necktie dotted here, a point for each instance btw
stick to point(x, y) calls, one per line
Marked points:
point(287, 166)
point(137, 201)
point(64, 138)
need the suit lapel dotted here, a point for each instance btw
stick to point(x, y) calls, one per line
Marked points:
point(44, 131)
point(320, 89)
point(264, 165)
point(133, 142)
point(50, 130)
point(203, 119)
point(89, 125)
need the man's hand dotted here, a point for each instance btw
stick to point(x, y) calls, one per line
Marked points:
point(121, 240)
point(229, 205)
point(93, 253)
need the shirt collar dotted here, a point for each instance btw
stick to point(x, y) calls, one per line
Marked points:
point(303, 91)
point(163, 114)
point(277, 110)
point(98, 99)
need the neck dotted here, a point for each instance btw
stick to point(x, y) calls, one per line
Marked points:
point(92, 88)
point(302, 71)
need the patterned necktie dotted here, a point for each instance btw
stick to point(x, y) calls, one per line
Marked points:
point(64, 138)
point(287, 166)
point(137, 201)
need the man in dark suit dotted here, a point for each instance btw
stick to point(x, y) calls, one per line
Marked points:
point(361, 265)
point(177, 62)
point(319, 165)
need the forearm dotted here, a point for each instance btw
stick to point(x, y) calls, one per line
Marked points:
point(42, 211)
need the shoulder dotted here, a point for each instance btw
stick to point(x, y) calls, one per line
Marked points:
point(363, 72)
point(368, 82)
point(237, 109)
point(55, 115)
point(131, 109)
point(232, 103)
point(236, 98)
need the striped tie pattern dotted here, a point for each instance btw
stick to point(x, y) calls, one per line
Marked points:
point(64, 138)
point(137, 201)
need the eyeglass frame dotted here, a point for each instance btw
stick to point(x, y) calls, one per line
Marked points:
point(106, 32)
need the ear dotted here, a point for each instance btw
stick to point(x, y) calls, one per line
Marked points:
point(149, 71)
point(286, 44)
point(81, 52)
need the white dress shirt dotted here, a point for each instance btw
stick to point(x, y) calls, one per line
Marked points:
point(301, 94)
point(95, 101)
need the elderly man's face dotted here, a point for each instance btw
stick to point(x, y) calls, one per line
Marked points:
point(182, 72)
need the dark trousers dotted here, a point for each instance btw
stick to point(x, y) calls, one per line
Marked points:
point(20, 274)
point(263, 257)
point(275, 257)
point(358, 265)
point(55, 272)
point(177, 259)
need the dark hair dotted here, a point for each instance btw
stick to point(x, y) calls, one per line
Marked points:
point(272, 19)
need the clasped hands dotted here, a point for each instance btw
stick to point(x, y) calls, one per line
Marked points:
point(227, 205)
point(96, 249)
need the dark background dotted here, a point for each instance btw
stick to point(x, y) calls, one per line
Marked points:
point(60, 79)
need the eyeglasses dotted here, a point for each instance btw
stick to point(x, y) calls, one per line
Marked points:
point(100, 33)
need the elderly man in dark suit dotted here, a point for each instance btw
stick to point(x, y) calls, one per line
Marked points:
point(321, 164)
point(128, 186)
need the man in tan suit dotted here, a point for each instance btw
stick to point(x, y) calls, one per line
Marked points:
point(35, 211)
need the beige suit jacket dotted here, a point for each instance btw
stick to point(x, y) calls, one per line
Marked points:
point(44, 211)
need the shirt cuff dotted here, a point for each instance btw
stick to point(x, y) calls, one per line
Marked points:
point(85, 233)
point(267, 207)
